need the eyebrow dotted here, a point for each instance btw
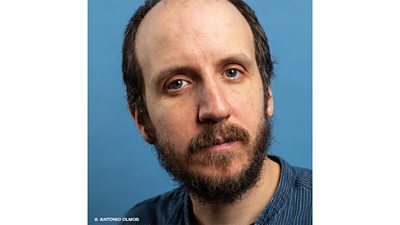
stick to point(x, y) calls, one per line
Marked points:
point(164, 73)
point(240, 58)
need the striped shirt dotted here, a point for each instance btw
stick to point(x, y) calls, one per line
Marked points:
point(291, 203)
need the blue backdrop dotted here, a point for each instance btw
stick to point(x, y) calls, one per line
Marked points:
point(123, 169)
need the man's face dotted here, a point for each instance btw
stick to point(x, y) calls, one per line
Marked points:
point(203, 89)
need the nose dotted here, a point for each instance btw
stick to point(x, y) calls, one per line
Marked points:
point(213, 105)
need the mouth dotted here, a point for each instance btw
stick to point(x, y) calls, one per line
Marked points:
point(221, 144)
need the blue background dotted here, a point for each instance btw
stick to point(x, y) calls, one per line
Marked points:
point(123, 169)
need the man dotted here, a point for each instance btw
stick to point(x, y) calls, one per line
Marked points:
point(198, 75)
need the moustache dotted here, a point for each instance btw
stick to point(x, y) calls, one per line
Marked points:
point(218, 134)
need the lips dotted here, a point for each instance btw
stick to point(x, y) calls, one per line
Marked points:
point(217, 141)
point(220, 144)
point(220, 140)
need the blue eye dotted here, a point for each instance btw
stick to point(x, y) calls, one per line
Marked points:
point(232, 72)
point(177, 84)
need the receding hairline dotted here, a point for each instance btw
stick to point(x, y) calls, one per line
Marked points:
point(159, 15)
point(182, 3)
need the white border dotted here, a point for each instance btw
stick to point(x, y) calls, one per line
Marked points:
point(43, 96)
point(43, 122)
point(356, 112)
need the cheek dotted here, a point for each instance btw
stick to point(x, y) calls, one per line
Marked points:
point(248, 108)
point(173, 123)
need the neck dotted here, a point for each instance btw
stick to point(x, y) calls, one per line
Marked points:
point(247, 209)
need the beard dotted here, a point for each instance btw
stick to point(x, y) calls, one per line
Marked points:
point(217, 190)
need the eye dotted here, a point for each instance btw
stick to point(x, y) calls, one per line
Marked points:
point(177, 84)
point(232, 73)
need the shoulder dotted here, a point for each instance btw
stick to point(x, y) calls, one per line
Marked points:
point(301, 194)
point(160, 209)
point(299, 197)
point(296, 182)
point(293, 176)
point(302, 178)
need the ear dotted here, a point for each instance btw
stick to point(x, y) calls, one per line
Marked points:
point(270, 103)
point(140, 122)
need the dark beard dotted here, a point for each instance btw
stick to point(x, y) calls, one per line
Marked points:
point(217, 190)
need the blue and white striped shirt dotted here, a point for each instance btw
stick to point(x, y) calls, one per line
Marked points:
point(291, 204)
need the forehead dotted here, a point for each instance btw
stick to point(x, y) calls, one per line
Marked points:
point(185, 31)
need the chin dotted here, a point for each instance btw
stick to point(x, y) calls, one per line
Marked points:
point(220, 171)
